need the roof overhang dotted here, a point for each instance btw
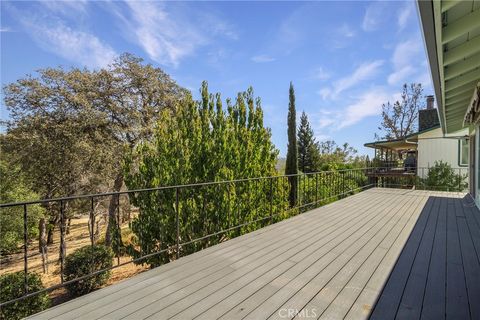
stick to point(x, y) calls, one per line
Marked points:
point(407, 143)
point(396, 145)
point(473, 111)
point(451, 32)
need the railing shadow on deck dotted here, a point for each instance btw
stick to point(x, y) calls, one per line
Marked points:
point(437, 274)
point(190, 218)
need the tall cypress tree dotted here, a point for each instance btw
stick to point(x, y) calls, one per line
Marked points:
point(308, 149)
point(291, 166)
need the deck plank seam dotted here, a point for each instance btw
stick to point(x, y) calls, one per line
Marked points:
point(415, 229)
point(385, 216)
point(214, 252)
point(415, 257)
point(275, 293)
point(312, 227)
point(265, 299)
point(347, 216)
point(354, 273)
point(412, 215)
point(463, 259)
point(295, 253)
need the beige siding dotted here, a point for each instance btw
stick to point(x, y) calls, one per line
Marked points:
point(432, 146)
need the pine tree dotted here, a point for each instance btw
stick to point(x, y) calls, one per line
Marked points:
point(308, 149)
point(291, 165)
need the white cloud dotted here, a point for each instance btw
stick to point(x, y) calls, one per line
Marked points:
point(325, 93)
point(374, 15)
point(368, 104)
point(326, 121)
point(70, 8)
point(73, 45)
point(5, 29)
point(217, 26)
point(168, 33)
point(404, 15)
point(321, 74)
point(400, 75)
point(262, 58)
point(340, 37)
point(164, 39)
point(363, 72)
point(346, 31)
point(404, 59)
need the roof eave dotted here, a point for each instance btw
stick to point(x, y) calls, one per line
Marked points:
point(427, 21)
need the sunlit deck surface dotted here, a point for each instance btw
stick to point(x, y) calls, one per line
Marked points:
point(384, 253)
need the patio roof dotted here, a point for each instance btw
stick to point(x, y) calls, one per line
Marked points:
point(451, 31)
point(407, 143)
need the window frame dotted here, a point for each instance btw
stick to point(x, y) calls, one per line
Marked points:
point(465, 141)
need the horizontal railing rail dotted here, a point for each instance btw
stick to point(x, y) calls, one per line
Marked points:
point(245, 205)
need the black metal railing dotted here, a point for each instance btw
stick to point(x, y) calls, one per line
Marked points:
point(198, 215)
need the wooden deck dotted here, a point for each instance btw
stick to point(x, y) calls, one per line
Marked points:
point(416, 252)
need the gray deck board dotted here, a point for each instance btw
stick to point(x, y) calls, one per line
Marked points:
point(434, 299)
point(457, 298)
point(437, 276)
point(401, 253)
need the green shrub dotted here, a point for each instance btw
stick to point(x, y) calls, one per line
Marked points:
point(442, 177)
point(85, 261)
point(12, 287)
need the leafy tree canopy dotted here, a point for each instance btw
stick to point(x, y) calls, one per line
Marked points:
point(399, 119)
point(203, 142)
point(14, 189)
point(68, 128)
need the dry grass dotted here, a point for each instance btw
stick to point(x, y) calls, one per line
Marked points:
point(78, 237)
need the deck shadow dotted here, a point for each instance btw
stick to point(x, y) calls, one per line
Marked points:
point(437, 274)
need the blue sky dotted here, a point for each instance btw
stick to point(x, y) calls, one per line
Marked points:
point(344, 58)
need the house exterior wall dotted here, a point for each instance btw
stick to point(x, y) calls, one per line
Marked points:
point(433, 146)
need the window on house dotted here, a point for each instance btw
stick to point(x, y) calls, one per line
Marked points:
point(463, 152)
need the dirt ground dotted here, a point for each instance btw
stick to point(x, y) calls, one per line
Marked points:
point(78, 237)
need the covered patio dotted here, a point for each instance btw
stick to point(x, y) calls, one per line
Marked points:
point(382, 253)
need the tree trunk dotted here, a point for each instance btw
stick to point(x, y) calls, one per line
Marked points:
point(68, 226)
point(42, 243)
point(51, 227)
point(112, 209)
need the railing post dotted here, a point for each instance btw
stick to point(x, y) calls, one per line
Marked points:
point(177, 221)
point(304, 189)
point(25, 250)
point(271, 200)
point(229, 205)
point(119, 228)
point(92, 222)
point(62, 239)
point(316, 189)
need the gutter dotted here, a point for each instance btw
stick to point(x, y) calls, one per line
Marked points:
point(426, 14)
